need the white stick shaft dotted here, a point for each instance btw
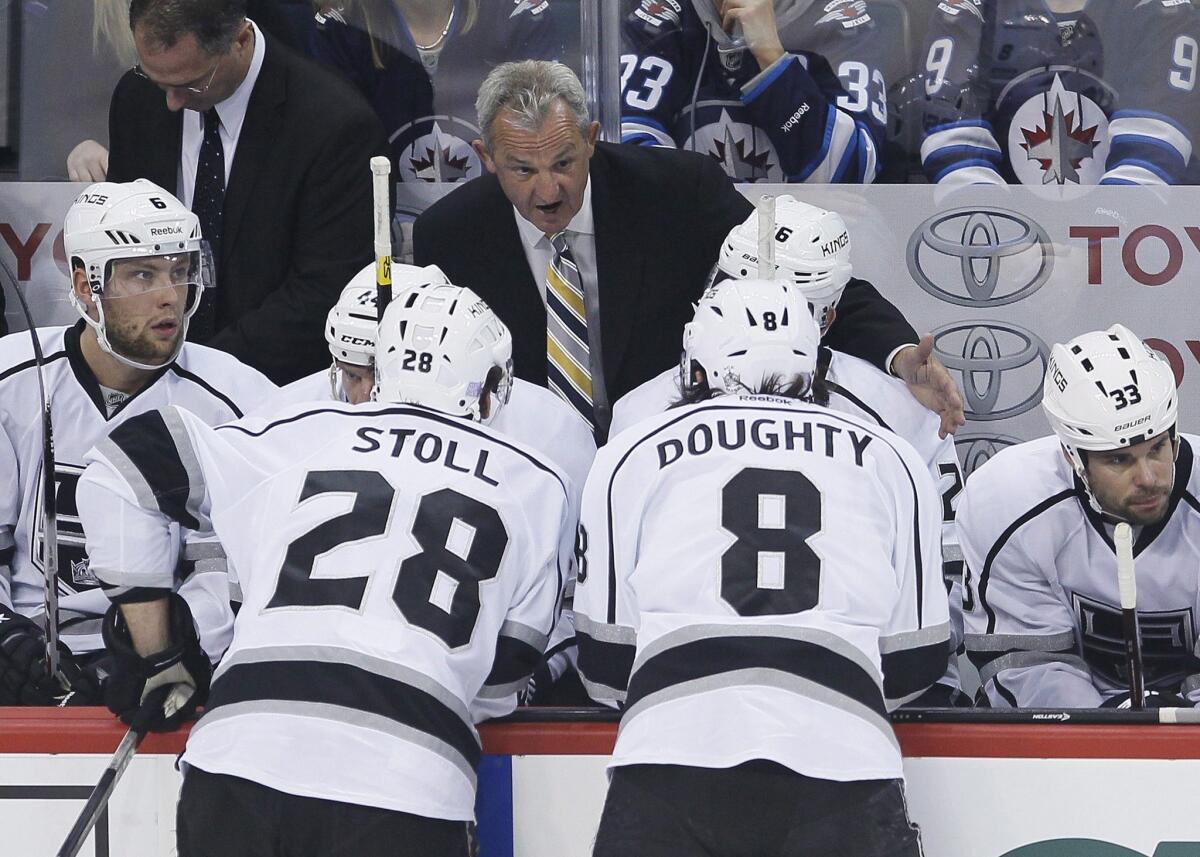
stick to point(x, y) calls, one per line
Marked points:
point(1126, 582)
point(766, 237)
point(381, 169)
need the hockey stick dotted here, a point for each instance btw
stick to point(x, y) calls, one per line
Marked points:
point(766, 237)
point(1051, 716)
point(49, 495)
point(166, 699)
point(98, 799)
point(1127, 585)
point(381, 168)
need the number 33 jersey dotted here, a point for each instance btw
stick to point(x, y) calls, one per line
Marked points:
point(400, 569)
point(760, 579)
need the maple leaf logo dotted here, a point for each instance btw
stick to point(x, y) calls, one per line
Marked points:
point(1060, 144)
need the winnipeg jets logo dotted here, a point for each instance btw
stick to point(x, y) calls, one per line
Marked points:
point(743, 151)
point(1064, 138)
point(848, 13)
point(441, 153)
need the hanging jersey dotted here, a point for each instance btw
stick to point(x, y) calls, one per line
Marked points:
point(1018, 93)
point(817, 114)
point(1042, 612)
point(211, 383)
point(760, 580)
point(400, 569)
point(426, 99)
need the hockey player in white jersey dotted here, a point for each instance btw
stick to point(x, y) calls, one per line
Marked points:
point(136, 258)
point(401, 563)
point(812, 251)
point(760, 583)
point(534, 416)
point(1043, 616)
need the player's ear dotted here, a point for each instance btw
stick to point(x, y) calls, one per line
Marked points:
point(83, 292)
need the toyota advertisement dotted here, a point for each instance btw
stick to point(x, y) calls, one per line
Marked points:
point(996, 274)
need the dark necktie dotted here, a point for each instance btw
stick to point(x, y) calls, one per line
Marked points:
point(208, 202)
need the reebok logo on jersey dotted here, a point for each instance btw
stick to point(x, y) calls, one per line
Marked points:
point(953, 7)
point(533, 7)
point(795, 118)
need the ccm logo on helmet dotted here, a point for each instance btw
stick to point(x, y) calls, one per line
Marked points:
point(355, 340)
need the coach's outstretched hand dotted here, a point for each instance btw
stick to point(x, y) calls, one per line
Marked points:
point(179, 674)
point(930, 382)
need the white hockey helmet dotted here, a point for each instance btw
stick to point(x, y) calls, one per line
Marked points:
point(438, 344)
point(111, 222)
point(353, 322)
point(747, 332)
point(1106, 390)
point(812, 250)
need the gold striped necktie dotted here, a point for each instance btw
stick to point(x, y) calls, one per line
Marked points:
point(568, 368)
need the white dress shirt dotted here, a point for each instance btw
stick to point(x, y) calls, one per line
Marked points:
point(581, 237)
point(232, 112)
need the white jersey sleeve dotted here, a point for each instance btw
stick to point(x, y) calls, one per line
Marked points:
point(316, 387)
point(10, 510)
point(1019, 626)
point(645, 400)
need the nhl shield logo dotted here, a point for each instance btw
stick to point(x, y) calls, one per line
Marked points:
point(440, 151)
point(1059, 137)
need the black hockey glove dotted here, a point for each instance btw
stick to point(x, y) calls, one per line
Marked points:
point(1154, 699)
point(25, 677)
point(177, 677)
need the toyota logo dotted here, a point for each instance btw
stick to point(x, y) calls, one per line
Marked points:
point(980, 257)
point(1002, 366)
point(974, 450)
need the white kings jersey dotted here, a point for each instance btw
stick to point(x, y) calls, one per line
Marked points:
point(858, 388)
point(533, 416)
point(214, 385)
point(1043, 616)
point(760, 579)
point(400, 569)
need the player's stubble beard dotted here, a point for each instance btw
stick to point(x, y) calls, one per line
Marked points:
point(134, 338)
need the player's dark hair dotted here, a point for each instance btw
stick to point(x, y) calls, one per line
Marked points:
point(490, 385)
point(773, 385)
point(213, 23)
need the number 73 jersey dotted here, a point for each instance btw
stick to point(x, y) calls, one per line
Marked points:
point(760, 579)
point(400, 569)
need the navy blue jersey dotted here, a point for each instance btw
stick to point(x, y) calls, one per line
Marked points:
point(426, 99)
point(818, 114)
point(1018, 93)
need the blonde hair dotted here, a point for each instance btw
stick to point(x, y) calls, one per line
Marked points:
point(110, 30)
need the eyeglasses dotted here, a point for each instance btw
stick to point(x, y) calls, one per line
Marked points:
point(194, 90)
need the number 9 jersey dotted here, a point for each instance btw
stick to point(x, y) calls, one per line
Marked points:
point(401, 571)
point(760, 579)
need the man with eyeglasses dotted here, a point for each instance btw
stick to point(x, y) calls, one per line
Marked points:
point(138, 270)
point(271, 154)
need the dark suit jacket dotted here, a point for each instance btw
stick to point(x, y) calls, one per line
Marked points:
point(660, 217)
point(297, 221)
